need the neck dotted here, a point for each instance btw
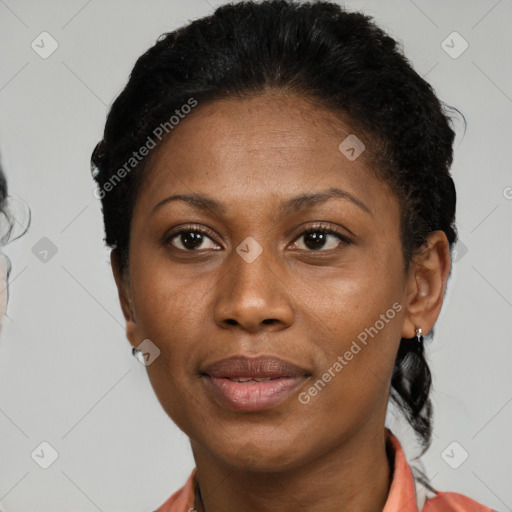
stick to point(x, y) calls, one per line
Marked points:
point(354, 476)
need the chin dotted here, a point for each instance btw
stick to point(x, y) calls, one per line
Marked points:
point(260, 457)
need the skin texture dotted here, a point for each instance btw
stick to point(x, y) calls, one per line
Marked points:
point(302, 304)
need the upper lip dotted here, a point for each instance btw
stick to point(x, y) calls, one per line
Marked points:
point(257, 367)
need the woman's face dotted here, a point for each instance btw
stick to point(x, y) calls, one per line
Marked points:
point(256, 285)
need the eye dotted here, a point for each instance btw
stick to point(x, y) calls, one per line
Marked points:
point(316, 238)
point(192, 239)
point(195, 239)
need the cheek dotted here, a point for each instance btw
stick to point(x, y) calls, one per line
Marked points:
point(172, 313)
point(357, 326)
point(352, 384)
point(167, 306)
point(348, 302)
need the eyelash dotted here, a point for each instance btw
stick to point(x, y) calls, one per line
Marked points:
point(317, 228)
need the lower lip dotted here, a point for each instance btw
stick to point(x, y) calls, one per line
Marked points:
point(252, 395)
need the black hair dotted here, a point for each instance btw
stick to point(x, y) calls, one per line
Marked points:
point(339, 59)
point(7, 221)
point(4, 211)
point(7, 215)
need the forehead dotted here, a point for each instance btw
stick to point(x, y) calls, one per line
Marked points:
point(257, 148)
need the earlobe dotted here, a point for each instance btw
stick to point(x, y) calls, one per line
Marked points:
point(427, 284)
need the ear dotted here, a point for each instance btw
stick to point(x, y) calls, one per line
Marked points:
point(426, 284)
point(125, 300)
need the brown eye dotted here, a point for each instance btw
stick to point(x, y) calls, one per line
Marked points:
point(192, 239)
point(318, 238)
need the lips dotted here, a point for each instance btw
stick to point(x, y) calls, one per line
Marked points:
point(245, 368)
point(253, 384)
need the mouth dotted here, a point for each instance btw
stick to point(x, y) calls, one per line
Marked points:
point(253, 384)
point(253, 379)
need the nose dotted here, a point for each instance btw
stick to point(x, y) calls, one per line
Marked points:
point(253, 295)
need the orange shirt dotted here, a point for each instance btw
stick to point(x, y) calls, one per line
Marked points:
point(401, 497)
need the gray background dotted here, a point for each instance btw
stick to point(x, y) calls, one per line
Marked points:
point(66, 371)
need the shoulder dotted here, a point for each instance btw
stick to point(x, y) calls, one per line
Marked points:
point(183, 499)
point(453, 502)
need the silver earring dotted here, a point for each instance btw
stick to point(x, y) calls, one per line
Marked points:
point(419, 335)
point(135, 352)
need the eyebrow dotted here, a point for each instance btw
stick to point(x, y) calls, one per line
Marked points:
point(292, 205)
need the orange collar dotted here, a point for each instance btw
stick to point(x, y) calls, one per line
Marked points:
point(402, 494)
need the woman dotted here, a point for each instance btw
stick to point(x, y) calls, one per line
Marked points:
point(276, 191)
